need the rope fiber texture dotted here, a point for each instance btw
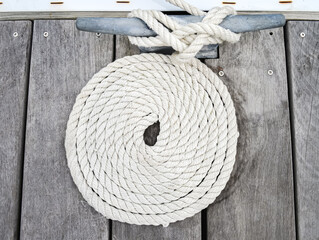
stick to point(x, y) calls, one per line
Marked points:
point(126, 179)
point(189, 39)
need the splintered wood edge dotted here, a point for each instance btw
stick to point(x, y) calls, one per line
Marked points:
point(74, 15)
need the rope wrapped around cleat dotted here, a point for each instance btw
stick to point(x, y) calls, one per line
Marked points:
point(188, 39)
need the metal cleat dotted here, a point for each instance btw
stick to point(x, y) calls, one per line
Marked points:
point(136, 27)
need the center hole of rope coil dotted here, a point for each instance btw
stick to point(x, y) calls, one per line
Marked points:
point(151, 133)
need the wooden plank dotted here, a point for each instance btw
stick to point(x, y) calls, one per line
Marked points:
point(127, 5)
point(190, 228)
point(303, 62)
point(258, 202)
point(61, 65)
point(187, 229)
point(123, 47)
point(289, 15)
point(14, 67)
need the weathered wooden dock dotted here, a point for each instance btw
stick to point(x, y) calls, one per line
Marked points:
point(273, 78)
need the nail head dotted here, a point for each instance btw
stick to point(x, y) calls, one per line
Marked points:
point(98, 35)
point(45, 34)
point(302, 34)
point(270, 72)
point(221, 73)
point(15, 34)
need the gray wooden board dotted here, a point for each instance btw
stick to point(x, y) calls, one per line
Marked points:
point(61, 64)
point(289, 15)
point(258, 201)
point(303, 62)
point(187, 229)
point(14, 65)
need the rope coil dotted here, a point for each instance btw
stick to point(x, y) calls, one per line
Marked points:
point(124, 178)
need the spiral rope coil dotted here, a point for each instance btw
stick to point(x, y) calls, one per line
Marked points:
point(124, 178)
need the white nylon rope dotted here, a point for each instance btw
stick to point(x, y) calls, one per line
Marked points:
point(116, 171)
point(187, 40)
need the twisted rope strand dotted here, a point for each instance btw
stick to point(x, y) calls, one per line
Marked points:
point(187, 40)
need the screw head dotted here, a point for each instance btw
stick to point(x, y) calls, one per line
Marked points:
point(302, 34)
point(270, 72)
point(45, 34)
point(221, 73)
point(98, 35)
point(15, 34)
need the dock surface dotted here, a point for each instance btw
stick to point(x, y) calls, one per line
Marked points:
point(272, 76)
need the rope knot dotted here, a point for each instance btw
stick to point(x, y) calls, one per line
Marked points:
point(186, 40)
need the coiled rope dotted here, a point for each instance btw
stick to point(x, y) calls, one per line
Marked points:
point(120, 175)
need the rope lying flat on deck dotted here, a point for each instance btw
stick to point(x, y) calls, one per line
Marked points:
point(122, 176)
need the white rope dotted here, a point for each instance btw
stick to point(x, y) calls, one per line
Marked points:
point(187, 40)
point(124, 178)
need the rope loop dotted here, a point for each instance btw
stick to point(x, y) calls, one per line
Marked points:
point(188, 39)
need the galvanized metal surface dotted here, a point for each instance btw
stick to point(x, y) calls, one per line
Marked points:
point(137, 27)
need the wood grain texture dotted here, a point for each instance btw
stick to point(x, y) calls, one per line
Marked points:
point(289, 15)
point(303, 62)
point(258, 201)
point(14, 66)
point(61, 65)
point(188, 229)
